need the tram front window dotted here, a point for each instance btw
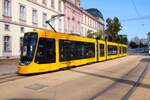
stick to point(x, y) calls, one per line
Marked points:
point(28, 49)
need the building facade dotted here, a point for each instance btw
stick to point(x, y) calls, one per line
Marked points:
point(91, 23)
point(80, 21)
point(72, 16)
point(20, 16)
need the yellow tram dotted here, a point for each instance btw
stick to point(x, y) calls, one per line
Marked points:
point(45, 51)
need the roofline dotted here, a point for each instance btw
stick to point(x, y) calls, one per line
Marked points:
point(85, 12)
point(97, 10)
point(91, 16)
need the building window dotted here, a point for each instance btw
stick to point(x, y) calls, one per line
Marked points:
point(68, 24)
point(45, 2)
point(44, 19)
point(86, 20)
point(60, 25)
point(97, 27)
point(52, 4)
point(7, 9)
point(82, 30)
point(78, 27)
point(94, 24)
point(22, 29)
point(34, 16)
point(86, 31)
point(82, 20)
point(53, 23)
point(22, 12)
point(7, 44)
point(7, 27)
point(59, 5)
point(73, 24)
point(89, 21)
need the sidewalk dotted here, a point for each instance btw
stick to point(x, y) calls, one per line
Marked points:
point(8, 61)
point(8, 65)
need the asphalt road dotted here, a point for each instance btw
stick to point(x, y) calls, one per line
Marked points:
point(126, 78)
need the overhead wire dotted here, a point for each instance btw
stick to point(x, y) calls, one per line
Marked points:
point(135, 8)
point(136, 18)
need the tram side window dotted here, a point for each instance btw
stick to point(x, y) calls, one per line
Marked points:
point(73, 50)
point(78, 50)
point(46, 51)
point(124, 50)
point(120, 50)
point(112, 50)
point(64, 50)
point(102, 51)
point(89, 50)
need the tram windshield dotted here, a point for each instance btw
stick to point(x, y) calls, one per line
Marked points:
point(28, 49)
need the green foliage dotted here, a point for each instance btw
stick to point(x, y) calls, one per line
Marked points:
point(90, 35)
point(97, 35)
point(121, 39)
point(124, 41)
point(133, 44)
point(112, 29)
point(116, 25)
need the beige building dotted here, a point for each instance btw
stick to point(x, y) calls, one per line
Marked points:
point(20, 16)
point(91, 23)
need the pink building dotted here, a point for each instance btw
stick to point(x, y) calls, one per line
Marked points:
point(73, 16)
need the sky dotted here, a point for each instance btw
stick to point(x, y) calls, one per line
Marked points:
point(125, 9)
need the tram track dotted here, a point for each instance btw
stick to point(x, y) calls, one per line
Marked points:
point(128, 75)
point(117, 81)
point(9, 77)
point(129, 79)
point(137, 83)
point(114, 69)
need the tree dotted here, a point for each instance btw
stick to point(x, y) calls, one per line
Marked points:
point(97, 35)
point(116, 25)
point(90, 34)
point(122, 39)
point(119, 38)
point(133, 44)
point(112, 29)
point(125, 40)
